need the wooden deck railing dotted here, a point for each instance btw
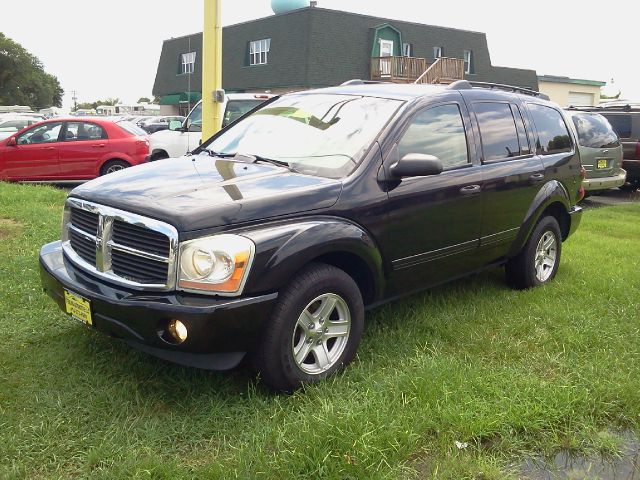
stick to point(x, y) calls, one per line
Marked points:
point(443, 70)
point(397, 69)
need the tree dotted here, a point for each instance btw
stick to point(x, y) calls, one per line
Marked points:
point(23, 80)
point(144, 100)
point(97, 103)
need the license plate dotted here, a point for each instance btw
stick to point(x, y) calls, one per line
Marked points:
point(602, 164)
point(78, 307)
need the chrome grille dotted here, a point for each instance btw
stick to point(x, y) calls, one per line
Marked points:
point(125, 248)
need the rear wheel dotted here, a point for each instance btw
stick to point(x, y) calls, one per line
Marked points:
point(537, 263)
point(630, 186)
point(314, 329)
point(113, 166)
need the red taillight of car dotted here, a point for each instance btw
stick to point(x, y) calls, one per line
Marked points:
point(638, 151)
point(142, 145)
point(582, 192)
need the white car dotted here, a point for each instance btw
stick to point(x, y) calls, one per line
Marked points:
point(179, 140)
point(10, 125)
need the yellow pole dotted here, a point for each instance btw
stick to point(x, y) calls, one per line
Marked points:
point(211, 68)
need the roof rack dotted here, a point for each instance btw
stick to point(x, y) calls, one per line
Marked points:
point(466, 85)
point(357, 81)
point(608, 108)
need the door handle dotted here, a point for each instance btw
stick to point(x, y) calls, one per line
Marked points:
point(470, 190)
point(49, 148)
point(536, 177)
point(98, 145)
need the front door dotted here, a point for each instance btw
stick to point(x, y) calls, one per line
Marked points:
point(35, 157)
point(434, 222)
point(386, 51)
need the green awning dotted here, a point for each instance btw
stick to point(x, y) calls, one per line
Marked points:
point(170, 99)
point(190, 97)
point(178, 98)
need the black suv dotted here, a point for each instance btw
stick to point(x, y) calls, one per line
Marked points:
point(276, 234)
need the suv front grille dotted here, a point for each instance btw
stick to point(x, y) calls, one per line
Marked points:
point(125, 248)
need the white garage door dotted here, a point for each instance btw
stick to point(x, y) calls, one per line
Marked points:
point(580, 99)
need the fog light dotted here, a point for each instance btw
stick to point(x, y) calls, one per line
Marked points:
point(177, 330)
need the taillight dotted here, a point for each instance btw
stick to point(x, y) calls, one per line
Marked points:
point(638, 151)
point(581, 191)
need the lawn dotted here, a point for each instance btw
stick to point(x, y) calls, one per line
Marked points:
point(508, 373)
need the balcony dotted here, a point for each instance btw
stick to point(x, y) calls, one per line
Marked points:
point(416, 70)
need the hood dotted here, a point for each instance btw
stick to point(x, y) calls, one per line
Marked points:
point(201, 192)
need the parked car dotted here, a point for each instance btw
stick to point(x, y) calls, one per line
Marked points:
point(182, 138)
point(600, 151)
point(157, 124)
point(64, 149)
point(9, 126)
point(625, 120)
point(278, 232)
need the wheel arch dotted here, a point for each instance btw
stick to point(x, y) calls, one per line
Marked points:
point(552, 199)
point(283, 251)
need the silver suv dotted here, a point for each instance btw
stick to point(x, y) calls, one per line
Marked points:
point(600, 151)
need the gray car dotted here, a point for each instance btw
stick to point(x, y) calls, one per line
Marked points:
point(600, 151)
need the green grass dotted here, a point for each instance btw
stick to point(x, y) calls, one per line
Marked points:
point(510, 373)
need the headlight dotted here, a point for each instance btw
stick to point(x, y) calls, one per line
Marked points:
point(218, 264)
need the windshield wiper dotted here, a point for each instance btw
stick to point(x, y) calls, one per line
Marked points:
point(259, 159)
point(211, 153)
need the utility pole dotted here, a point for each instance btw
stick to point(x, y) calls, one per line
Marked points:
point(75, 100)
point(212, 93)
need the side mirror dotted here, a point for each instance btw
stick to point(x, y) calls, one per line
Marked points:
point(175, 125)
point(417, 165)
point(12, 142)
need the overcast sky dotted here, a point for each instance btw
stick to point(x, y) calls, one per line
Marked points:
point(112, 50)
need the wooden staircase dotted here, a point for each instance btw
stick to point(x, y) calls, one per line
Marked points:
point(444, 70)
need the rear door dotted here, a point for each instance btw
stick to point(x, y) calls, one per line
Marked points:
point(512, 173)
point(35, 157)
point(83, 145)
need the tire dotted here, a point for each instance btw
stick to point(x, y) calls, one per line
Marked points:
point(113, 166)
point(544, 245)
point(630, 186)
point(159, 156)
point(319, 301)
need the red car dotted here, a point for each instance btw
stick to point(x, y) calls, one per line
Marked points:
point(71, 149)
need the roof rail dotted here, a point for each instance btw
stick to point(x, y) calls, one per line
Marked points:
point(357, 81)
point(465, 85)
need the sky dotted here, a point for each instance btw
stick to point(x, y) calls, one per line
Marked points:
point(113, 51)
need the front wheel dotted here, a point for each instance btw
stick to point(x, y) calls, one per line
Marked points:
point(537, 263)
point(314, 329)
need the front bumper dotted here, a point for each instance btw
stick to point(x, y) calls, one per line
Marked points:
point(221, 330)
point(605, 183)
point(575, 213)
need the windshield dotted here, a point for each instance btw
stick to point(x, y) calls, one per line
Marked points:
point(317, 134)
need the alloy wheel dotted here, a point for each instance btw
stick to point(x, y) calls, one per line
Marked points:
point(321, 334)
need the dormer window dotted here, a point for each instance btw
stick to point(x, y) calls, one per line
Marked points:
point(259, 52)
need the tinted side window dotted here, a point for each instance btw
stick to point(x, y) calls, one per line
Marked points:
point(497, 131)
point(438, 131)
point(594, 131)
point(621, 124)
point(553, 136)
point(79, 131)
